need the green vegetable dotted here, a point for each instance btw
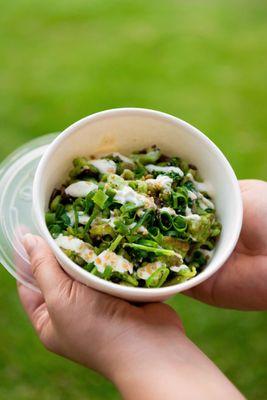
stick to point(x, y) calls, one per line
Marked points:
point(100, 199)
point(147, 218)
point(157, 278)
point(200, 229)
point(198, 258)
point(115, 243)
point(89, 267)
point(95, 272)
point(179, 223)
point(55, 202)
point(75, 258)
point(91, 219)
point(55, 230)
point(165, 221)
point(179, 246)
point(76, 218)
point(156, 235)
point(88, 204)
point(129, 279)
point(156, 250)
point(127, 174)
point(127, 208)
point(179, 199)
point(150, 156)
point(82, 165)
point(101, 230)
point(65, 220)
point(107, 273)
point(160, 222)
point(50, 218)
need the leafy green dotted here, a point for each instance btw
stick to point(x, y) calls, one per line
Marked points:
point(149, 156)
point(156, 222)
point(100, 199)
point(157, 278)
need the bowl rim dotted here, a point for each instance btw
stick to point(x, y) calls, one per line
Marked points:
point(108, 286)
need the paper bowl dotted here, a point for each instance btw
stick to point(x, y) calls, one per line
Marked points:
point(125, 130)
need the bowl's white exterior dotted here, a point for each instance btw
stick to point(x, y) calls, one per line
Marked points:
point(125, 130)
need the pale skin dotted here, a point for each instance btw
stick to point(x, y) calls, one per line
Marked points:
point(143, 349)
point(242, 282)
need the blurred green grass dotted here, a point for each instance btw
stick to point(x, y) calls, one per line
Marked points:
point(204, 61)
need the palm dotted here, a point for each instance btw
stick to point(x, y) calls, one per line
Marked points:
point(241, 283)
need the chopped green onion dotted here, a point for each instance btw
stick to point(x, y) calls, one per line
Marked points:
point(95, 272)
point(65, 220)
point(127, 174)
point(115, 243)
point(76, 217)
point(157, 251)
point(146, 218)
point(101, 230)
point(128, 207)
point(129, 279)
point(55, 230)
point(150, 243)
point(179, 200)
point(88, 267)
point(55, 202)
point(149, 157)
point(100, 198)
point(107, 272)
point(157, 278)
point(92, 217)
point(50, 218)
point(89, 204)
point(179, 223)
point(165, 221)
point(144, 214)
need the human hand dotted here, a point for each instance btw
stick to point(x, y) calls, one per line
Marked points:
point(242, 282)
point(142, 349)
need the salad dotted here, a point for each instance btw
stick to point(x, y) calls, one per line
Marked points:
point(146, 220)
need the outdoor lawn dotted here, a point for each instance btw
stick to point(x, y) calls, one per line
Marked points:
point(203, 61)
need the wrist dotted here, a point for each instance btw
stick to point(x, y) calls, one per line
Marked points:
point(146, 379)
point(178, 367)
point(146, 370)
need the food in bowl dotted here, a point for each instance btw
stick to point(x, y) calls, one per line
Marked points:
point(144, 220)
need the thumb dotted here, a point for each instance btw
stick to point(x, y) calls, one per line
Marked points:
point(46, 270)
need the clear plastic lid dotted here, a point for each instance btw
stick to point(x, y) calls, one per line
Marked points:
point(16, 217)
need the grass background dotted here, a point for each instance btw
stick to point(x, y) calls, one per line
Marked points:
point(204, 61)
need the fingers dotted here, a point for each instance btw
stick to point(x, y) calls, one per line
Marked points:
point(46, 270)
point(30, 300)
point(35, 307)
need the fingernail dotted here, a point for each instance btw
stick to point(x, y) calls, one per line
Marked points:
point(29, 242)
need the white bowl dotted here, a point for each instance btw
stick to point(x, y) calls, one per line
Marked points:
point(125, 130)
